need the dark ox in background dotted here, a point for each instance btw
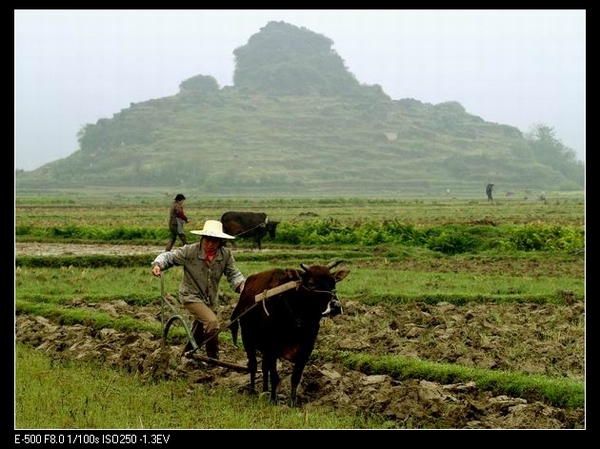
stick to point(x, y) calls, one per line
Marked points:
point(255, 225)
point(284, 325)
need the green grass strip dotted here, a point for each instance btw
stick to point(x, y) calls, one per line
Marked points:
point(70, 316)
point(558, 392)
point(101, 320)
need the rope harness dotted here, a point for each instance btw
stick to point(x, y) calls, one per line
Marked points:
point(264, 223)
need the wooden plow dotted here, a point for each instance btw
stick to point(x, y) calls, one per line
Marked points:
point(169, 314)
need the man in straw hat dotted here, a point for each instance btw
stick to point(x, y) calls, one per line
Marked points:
point(204, 264)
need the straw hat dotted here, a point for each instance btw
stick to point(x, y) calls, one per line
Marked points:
point(213, 228)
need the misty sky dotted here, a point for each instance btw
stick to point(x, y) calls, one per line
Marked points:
point(514, 67)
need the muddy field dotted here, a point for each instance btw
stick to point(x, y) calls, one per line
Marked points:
point(538, 339)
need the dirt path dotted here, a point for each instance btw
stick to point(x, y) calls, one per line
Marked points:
point(61, 249)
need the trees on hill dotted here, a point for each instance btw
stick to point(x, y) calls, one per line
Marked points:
point(199, 84)
point(549, 150)
point(283, 59)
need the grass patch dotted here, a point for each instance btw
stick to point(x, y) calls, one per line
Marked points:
point(70, 394)
point(559, 392)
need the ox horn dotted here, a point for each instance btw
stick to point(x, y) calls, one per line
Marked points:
point(330, 265)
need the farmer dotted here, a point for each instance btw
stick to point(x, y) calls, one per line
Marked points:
point(177, 218)
point(204, 264)
point(489, 190)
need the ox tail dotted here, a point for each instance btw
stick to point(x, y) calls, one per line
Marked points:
point(234, 324)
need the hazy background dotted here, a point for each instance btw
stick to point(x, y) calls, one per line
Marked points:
point(515, 67)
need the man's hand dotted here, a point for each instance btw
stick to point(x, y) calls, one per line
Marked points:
point(156, 270)
point(240, 288)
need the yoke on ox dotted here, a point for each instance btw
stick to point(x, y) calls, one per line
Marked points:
point(279, 314)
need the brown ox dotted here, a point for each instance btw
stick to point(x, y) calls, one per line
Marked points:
point(286, 324)
point(254, 225)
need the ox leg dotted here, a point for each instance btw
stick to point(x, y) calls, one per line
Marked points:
point(295, 380)
point(270, 376)
point(252, 368)
point(266, 370)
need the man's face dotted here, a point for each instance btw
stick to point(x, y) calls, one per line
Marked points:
point(211, 244)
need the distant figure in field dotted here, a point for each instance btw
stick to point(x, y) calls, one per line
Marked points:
point(489, 190)
point(177, 218)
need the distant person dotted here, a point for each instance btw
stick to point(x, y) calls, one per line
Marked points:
point(489, 190)
point(177, 218)
point(204, 264)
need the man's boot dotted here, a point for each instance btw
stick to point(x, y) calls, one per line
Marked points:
point(212, 345)
point(198, 333)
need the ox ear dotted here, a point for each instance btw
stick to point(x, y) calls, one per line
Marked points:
point(340, 275)
point(292, 273)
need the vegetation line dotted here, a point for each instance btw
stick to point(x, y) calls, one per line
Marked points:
point(559, 392)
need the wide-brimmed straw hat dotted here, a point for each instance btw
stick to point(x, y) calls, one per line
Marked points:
point(213, 228)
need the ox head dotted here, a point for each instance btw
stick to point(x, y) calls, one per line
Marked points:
point(321, 280)
point(271, 226)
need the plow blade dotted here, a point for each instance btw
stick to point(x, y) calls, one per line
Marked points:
point(211, 361)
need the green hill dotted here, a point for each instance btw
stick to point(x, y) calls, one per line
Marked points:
point(296, 122)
